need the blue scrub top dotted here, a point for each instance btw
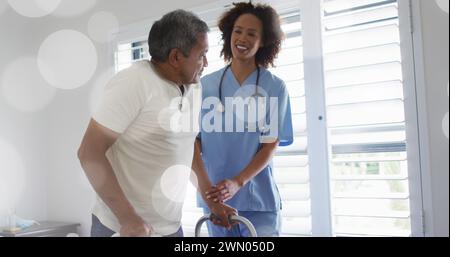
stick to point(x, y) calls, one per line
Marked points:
point(226, 153)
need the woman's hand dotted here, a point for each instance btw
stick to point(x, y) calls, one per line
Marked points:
point(224, 190)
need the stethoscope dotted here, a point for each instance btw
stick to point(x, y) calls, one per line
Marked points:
point(220, 107)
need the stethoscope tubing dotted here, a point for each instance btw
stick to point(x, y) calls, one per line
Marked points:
point(221, 84)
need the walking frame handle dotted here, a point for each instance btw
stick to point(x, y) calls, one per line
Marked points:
point(231, 218)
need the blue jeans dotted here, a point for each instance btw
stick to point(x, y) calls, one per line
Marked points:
point(267, 224)
point(100, 230)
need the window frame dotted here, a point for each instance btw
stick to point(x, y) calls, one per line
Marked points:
point(418, 147)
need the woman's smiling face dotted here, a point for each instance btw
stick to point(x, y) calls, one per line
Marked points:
point(246, 37)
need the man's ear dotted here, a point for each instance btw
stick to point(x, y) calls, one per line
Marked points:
point(174, 57)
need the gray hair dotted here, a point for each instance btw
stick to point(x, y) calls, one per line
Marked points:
point(178, 29)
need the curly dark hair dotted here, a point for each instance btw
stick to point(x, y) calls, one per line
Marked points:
point(272, 33)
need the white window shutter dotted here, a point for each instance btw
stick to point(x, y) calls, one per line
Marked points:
point(364, 84)
point(291, 169)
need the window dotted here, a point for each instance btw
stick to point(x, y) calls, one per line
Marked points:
point(364, 90)
point(291, 169)
point(348, 174)
point(130, 52)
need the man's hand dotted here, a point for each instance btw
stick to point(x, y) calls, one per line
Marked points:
point(224, 190)
point(222, 212)
point(135, 227)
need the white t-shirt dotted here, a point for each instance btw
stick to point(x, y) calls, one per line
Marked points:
point(152, 157)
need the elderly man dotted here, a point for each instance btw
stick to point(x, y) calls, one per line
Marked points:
point(130, 148)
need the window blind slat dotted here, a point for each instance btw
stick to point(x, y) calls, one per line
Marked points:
point(350, 159)
point(298, 105)
point(340, 5)
point(365, 93)
point(381, 112)
point(299, 126)
point(363, 57)
point(296, 209)
point(294, 192)
point(382, 35)
point(361, 16)
point(292, 42)
point(393, 214)
point(369, 178)
point(290, 161)
point(368, 138)
point(364, 74)
point(291, 175)
point(289, 56)
point(296, 88)
point(289, 71)
point(296, 226)
point(394, 196)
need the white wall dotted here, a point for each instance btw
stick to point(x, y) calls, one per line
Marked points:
point(435, 42)
point(22, 134)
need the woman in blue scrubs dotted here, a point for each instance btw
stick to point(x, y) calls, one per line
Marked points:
point(236, 148)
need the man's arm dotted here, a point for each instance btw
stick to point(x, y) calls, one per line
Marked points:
point(204, 184)
point(92, 154)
